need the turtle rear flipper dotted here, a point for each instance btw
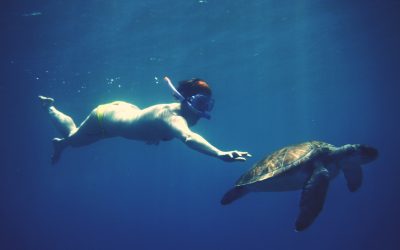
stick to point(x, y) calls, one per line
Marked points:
point(233, 194)
point(354, 176)
point(312, 198)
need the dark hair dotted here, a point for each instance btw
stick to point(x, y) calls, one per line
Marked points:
point(194, 86)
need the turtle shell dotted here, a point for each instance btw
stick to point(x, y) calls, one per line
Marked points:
point(285, 159)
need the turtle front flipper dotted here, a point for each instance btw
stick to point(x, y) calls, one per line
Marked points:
point(312, 198)
point(233, 194)
point(354, 177)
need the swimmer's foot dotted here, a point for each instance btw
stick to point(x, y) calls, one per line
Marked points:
point(46, 102)
point(58, 147)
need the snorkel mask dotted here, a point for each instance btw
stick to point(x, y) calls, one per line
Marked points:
point(199, 104)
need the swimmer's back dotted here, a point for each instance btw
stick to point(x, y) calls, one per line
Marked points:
point(125, 119)
point(117, 111)
point(120, 105)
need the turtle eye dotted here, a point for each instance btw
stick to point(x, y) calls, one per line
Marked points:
point(369, 151)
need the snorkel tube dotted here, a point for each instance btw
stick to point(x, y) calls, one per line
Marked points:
point(182, 99)
point(175, 92)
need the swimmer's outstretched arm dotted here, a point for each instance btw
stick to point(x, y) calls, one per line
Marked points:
point(197, 142)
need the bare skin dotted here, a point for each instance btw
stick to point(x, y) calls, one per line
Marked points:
point(161, 122)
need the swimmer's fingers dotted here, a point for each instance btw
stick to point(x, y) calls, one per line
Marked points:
point(234, 155)
point(240, 159)
point(245, 154)
point(241, 156)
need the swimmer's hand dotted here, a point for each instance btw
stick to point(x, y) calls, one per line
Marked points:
point(231, 156)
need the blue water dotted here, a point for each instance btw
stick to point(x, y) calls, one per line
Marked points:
point(282, 72)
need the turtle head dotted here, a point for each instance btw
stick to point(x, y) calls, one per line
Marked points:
point(359, 153)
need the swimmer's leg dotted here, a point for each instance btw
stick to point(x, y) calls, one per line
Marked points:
point(58, 147)
point(87, 133)
point(63, 123)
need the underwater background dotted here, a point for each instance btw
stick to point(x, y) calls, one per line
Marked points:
point(282, 72)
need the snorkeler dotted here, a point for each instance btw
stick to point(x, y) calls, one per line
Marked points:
point(161, 122)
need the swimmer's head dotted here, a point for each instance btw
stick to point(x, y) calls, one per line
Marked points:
point(197, 96)
point(194, 86)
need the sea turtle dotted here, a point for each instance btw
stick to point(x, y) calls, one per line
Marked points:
point(308, 166)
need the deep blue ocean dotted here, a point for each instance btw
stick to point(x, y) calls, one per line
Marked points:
point(282, 72)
